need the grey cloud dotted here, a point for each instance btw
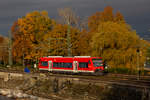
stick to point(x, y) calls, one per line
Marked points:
point(136, 12)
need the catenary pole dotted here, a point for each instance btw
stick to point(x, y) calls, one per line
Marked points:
point(10, 49)
point(69, 41)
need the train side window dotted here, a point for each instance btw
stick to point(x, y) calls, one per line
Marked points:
point(83, 64)
point(55, 64)
point(44, 63)
point(68, 65)
point(62, 65)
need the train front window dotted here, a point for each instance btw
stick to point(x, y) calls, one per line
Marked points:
point(97, 62)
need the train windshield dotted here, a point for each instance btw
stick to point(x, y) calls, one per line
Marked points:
point(97, 62)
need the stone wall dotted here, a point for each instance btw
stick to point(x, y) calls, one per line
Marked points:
point(33, 86)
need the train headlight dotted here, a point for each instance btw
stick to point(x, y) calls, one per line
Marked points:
point(106, 67)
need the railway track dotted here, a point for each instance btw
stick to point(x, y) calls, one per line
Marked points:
point(108, 80)
point(113, 79)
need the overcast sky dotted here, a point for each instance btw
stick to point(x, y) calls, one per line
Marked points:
point(136, 12)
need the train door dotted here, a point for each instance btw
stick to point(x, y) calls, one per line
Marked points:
point(50, 65)
point(75, 66)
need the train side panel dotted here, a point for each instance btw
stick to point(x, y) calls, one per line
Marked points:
point(72, 64)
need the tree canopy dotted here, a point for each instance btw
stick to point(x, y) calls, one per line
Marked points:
point(28, 33)
point(116, 43)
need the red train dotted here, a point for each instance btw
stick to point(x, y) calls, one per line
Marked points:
point(76, 64)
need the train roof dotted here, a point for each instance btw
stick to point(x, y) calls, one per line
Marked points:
point(77, 57)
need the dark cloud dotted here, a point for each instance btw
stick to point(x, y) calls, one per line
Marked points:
point(136, 12)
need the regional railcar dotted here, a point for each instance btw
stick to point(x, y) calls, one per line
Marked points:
point(76, 64)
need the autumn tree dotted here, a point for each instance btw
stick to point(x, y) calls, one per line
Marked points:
point(1, 39)
point(112, 38)
point(119, 18)
point(3, 50)
point(57, 40)
point(107, 15)
point(117, 43)
point(28, 32)
point(97, 19)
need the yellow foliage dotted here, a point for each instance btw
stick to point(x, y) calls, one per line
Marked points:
point(117, 43)
point(57, 40)
point(28, 32)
